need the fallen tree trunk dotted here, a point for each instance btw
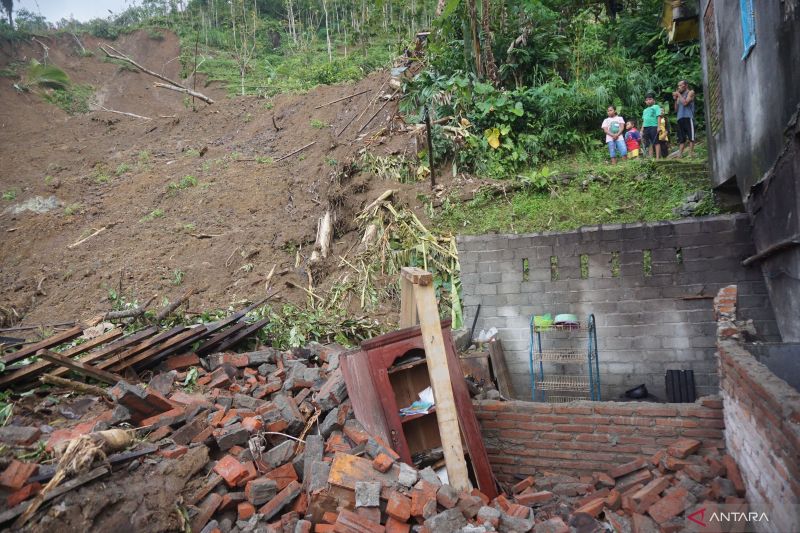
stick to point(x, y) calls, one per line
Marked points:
point(172, 85)
point(185, 90)
point(164, 313)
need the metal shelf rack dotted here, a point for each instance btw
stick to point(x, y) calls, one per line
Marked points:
point(565, 387)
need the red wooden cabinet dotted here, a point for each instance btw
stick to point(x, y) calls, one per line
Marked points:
point(387, 374)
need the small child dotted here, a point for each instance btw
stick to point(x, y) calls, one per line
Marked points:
point(663, 133)
point(650, 125)
point(632, 139)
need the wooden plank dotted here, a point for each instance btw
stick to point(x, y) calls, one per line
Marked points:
point(364, 397)
point(246, 332)
point(408, 306)
point(500, 368)
point(56, 492)
point(77, 366)
point(33, 369)
point(117, 345)
point(208, 345)
point(118, 364)
point(417, 276)
point(439, 372)
point(149, 343)
point(49, 342)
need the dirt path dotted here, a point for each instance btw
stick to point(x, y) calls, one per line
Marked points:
point(130, 177)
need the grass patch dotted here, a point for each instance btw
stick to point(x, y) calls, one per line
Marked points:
point(122, 169)
point(10, 195)
point(72, 209)
point(73, 100)
point(635, 191)
point(152, 215)
point(184, 183)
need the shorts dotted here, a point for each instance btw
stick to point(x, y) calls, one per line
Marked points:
point(633, 154)
point(685, 130)
point(650, 135)
point(617, 147)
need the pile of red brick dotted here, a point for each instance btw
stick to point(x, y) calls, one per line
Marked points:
point(647, 495)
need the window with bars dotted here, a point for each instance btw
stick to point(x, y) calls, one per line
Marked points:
point(748, 26)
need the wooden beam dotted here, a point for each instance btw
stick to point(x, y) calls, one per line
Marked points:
point(49, 342)
point(81, 368)
point(500, 368)
point(40, 366)
point(439, 372)
point(113, 347)
point(408, 306)
point(417, 276)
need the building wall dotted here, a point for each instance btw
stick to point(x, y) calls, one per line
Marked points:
point(762, 424)
point(753, 135)
point(584, 437)
point(647, 322)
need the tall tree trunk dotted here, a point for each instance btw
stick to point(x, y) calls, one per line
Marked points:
point(440, 7)
point(327, 31)
point(489, 64)
point(476, 44)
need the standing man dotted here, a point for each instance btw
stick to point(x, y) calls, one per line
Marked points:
point(684, 106)
point(650, 125)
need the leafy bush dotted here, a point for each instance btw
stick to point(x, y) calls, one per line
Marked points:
point(48, 76)
point(74, 99)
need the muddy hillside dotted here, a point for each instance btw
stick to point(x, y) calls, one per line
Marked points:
point(194, 195)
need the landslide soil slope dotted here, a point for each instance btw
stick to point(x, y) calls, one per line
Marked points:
point(112, 171)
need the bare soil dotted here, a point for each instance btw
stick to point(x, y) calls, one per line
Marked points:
point(258, 214)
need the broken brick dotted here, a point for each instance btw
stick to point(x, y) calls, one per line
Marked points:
point(643, 524)
point(614, 499)
point(522, 485)
point(207, 509)
point(173, 453)
point(19, 435)
point(469, 505)
point(165, 418)
point(603, 479)
point(649, 494)
point(373, 514)
point(382, 463)
point(421, 493)
point(642, 476)
point(282, 499)
point(283, 475)
point(159, 434)
point(252, 424)
point(627, 468)
point(245, 510)
point(732, 473)
point(179, 362)
point(447, 496)
point(19, 496)
point(683, 448)
point(16, 474)
point(553, 525)
point(397, 526)
point(672, 504)
point(398, 506)
point(350, 522)
point(231, 470)
point(259, 491)
point(533, 498)
point(228, 437)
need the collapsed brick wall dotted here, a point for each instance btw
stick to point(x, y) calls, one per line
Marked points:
point(762, 423)
point(650, 286)
point(584, 437)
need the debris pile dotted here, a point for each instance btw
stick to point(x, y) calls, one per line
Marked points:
point(268, 441)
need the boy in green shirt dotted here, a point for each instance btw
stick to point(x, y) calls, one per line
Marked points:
point(650, 125)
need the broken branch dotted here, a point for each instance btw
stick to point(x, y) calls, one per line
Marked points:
point(101, 230)
point(164, 313)
point(129, 313)
point(172, 85)
point(342, 98)
point(134, 115)
point(75, 385)
point(295, 152)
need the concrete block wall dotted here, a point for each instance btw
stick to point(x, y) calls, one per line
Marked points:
point(762, 424)
point(579, 438)
point(650, 317)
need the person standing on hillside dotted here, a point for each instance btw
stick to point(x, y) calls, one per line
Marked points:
point(684, 106)
point(614, 126)
point(650, 125)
